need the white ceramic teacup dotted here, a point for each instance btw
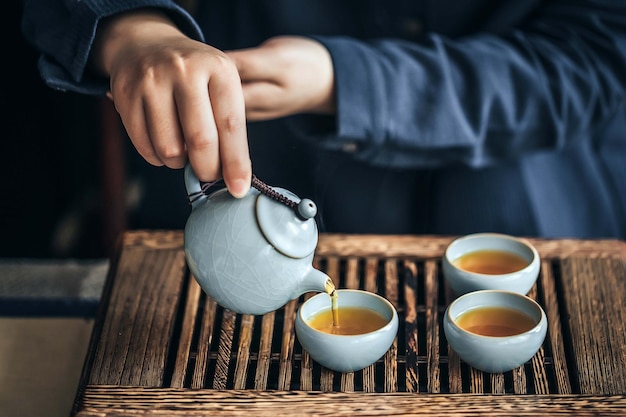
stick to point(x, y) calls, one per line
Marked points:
point(462, 281)
point(346, 353)
point(494, 353)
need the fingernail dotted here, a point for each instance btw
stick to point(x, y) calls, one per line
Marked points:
point(239, 188)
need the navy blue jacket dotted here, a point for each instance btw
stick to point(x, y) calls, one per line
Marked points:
point(453, 116)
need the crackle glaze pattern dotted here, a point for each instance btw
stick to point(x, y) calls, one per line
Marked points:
point(235, 264)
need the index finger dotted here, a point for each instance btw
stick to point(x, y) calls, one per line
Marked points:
point(230, 119)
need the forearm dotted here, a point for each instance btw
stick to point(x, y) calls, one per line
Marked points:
point(482, 98)
point(116, 32)
point(64, 32)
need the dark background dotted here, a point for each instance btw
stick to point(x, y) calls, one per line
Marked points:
point(51, 201)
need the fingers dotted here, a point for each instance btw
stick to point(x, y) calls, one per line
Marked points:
point(132, 114)
point(199, 130)
point(230, 119)
point(211, 128)
point(164, 130)
point(186, 103)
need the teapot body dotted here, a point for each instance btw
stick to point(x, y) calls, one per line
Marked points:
point(233, 261)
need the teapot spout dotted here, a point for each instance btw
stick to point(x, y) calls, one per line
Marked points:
point(316, 280)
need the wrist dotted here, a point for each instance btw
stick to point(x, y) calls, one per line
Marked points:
point(122, 30)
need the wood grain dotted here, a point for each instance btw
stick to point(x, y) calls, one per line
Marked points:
point(135, 337)
point(434, 246)
point(186, 335)
point(104, 401)
point(594, 295)
point(555, 331)
point(161, 346)
point(393, 246)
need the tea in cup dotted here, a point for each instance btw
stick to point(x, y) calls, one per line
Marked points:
point(493, 330)
point(490, 261)
point(364, 327)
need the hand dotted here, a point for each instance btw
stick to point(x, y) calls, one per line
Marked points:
point(286, 75)
point(178, 99)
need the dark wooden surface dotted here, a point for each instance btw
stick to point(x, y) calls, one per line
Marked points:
point(162, 347)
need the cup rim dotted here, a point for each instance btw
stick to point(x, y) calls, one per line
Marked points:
point(526, 298)
point(386, 327)
point(535, 254)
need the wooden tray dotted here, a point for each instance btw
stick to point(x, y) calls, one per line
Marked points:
point(160, 346)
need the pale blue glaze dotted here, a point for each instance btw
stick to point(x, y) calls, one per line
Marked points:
point(349, 353)
point(252, 254)
point(488, 353)
point(462, 282)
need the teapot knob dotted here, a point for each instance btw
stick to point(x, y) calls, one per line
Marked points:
point(290, 232)
point(306, 209)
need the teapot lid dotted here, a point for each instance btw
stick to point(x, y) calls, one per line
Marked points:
point(292, 232)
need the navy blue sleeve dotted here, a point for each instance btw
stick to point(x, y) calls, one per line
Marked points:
point(479, 99)
point(64, 31)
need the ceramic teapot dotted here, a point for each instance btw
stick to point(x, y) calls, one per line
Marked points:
point(252, 254)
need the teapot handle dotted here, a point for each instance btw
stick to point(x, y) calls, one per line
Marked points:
point(194, 187)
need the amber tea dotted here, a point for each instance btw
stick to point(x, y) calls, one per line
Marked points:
point(352, 320)
point(495, 321)
point(334, 300)
point(491, 262)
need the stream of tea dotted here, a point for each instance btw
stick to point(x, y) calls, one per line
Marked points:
point(354, 319)
point(334, 303)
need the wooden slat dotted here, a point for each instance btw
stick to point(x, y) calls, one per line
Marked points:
point(454, 362)
point(306, 372)
point(134, 340)
point(410, 323)
point(540, 377)
point(352, 282)
point(286, 351)
point(393, 246)
point(423, 246)
point(432, 326)
point(369, 378)
point(184, 344)
point(391, 282)
point(391, 368)
point(477, 384)
point(204, 343)
point(594, 300)
point(497, 383)
point(224, 349)
point(332, 270)
point(159, 326)
point(326, 380)
point(102, 401)
point(555, 332)
point(390, 358)
point(352, 273)
point(371, 274)
point(265, 351)
point(243, 351)
point(347, 382)
point(519, 380)
point(153, 239)
point(306, 362)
